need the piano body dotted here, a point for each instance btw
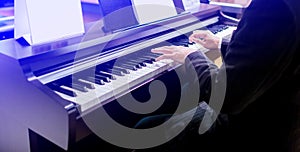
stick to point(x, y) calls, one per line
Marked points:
point(47, 89)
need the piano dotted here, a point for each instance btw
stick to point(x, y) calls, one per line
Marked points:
point(48, 89)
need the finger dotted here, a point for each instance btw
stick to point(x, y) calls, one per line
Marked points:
point(162, 50)
point(171, 47)
point(199, 41)
point(199, 32)
point(197, 36)
point(200, 35)
point(166, 49)
point(165, 56)
point(192, 37)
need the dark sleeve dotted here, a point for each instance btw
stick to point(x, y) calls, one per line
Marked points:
point(252, 61)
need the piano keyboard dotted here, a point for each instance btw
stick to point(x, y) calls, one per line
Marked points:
point(108, 81)
point(221, 31)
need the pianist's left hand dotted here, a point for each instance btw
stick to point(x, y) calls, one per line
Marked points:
point(176, 53)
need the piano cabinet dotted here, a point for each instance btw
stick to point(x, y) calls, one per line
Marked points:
point(45, 88)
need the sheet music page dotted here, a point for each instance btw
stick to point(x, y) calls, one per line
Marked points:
point(54, 19)
point(147, 11)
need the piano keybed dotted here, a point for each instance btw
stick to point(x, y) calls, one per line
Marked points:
point(107, 81)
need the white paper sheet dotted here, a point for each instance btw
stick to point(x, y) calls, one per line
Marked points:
point(147, 11)
point(42, 21)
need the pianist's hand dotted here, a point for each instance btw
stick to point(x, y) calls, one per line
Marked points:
point(206, 39)
point(176, 53)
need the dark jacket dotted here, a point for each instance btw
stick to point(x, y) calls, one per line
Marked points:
point(261, 75)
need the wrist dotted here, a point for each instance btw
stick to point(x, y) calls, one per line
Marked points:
point(188, 52)
point(219, 42)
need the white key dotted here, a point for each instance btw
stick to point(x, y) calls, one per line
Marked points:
point(122, 84)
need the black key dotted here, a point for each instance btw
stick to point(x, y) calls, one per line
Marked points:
point(182, 44)
point(77, 86)
point(151, 58)
point(225, 27)
point(112, 71)
point(126, 71)
point(105, 74)
point(96, 80)
point(130, 67)
point(139, 62)
point(103, 78)
point(58, 88)
point(133, 64)
point(115, 68)
point(88, 85)
point(148, 61)
point(153, 55)
point(143, 64)
point(77, 80)
point(220, 30)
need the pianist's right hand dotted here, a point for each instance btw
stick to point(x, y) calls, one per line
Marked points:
point(206, 39)
point(175, 53)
